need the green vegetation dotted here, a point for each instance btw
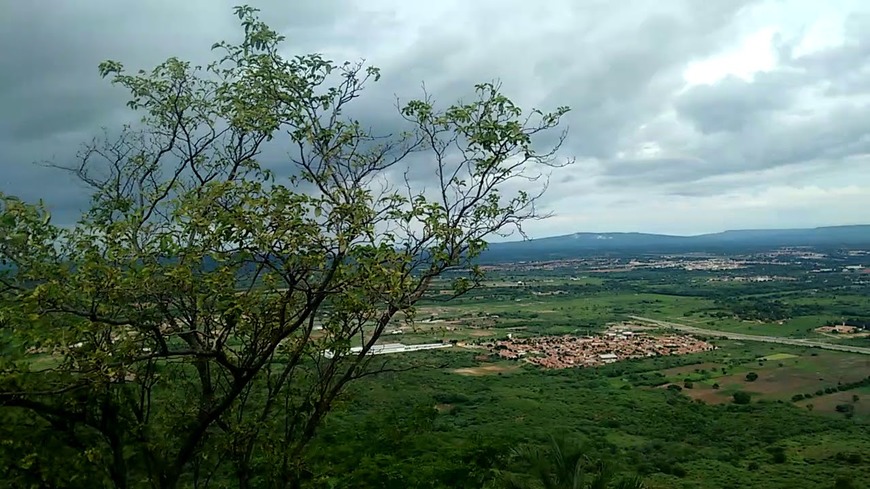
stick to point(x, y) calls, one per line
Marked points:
point(664, 435)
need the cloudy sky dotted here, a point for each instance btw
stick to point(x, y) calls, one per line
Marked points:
point(687, 116)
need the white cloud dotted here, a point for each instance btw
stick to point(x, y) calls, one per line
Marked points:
point(752, 55)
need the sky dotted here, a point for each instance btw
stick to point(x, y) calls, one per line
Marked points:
point(687, 116)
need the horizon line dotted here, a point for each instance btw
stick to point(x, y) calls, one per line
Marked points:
point(812, 228)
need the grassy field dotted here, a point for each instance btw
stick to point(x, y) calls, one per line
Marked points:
point(570, 306)
point(794, 328)
point(827, 404)
point(779, 376)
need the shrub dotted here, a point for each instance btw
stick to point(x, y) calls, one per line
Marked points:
point(751, 377)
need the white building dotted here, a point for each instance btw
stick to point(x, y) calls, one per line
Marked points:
point(608, 357)
point(385, 348)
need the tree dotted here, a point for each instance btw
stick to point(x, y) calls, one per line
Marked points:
point(562, 464)
point(741, 397)
point(196, 324)
point(751, 377)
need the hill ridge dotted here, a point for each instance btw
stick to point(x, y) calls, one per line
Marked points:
point(580, 243)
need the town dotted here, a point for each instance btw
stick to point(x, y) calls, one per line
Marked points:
point(588, 351)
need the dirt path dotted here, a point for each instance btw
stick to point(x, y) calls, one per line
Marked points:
point(751, 337)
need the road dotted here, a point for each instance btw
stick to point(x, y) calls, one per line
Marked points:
point(751, 337)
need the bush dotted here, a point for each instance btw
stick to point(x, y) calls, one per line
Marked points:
point(851, 458)
point(845, 408)
point(715, 386)
point(751, 377)
point(778, 454)
point(843, 482)
point(797, 397)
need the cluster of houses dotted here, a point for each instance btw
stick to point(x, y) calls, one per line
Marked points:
point(588, 351)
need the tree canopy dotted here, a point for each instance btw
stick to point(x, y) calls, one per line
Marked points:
point(175, 335)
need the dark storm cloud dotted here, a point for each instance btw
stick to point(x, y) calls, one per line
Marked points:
point(52, 98)
point(619, 65)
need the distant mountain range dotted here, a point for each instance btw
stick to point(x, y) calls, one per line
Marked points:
point(580, 244)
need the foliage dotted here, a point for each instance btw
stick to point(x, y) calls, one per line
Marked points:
point(195, 326)
point(563, 465)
